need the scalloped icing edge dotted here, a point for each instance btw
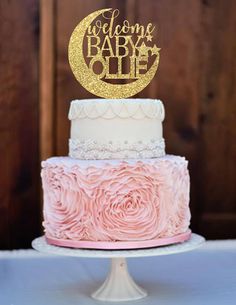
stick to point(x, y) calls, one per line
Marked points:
point(121, 108)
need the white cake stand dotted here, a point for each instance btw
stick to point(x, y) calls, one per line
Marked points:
point(119, 285)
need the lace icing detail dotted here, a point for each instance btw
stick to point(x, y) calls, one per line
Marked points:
point(92, 150)
point(109, 109)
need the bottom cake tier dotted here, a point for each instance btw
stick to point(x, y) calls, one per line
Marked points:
point(116, 204)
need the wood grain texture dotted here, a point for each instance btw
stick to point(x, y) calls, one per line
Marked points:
point(19, 204)
point(218, 120)
point(47, 78)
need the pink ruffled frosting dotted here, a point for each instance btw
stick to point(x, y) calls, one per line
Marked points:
point(115, 200)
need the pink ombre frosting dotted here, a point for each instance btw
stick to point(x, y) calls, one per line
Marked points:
point(115, 200)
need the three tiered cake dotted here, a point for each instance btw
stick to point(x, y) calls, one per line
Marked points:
point(117, 188)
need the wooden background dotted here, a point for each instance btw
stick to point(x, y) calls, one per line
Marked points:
point(196, 80)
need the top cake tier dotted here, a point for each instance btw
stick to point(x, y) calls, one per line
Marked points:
point(116, 129)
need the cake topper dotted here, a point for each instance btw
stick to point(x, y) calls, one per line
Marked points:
point(99, 51)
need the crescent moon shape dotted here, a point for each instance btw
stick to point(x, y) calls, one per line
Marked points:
point(89, 80)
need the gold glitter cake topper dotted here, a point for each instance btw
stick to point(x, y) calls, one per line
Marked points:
point(113, 53)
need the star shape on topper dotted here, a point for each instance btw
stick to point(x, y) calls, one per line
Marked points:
point(155, 50)
point(149, 37)
point(143, 50)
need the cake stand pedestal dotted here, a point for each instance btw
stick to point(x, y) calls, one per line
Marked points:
point(119, 285)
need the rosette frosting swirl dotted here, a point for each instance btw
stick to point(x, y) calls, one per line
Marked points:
point(115, 200)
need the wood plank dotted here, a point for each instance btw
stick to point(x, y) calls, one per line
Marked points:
point(218, 225)
point(218, 116)
point(19, 162)
point(47, 78)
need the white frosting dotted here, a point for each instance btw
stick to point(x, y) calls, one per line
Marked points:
point(112, 108)
point(116, 129)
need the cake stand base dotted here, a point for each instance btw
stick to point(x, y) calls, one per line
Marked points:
point(119, 285)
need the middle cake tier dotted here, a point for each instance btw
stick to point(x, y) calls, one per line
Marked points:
point(116, 129)
point(115, 201)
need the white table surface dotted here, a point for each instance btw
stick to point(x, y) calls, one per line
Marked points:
point(205, 276)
